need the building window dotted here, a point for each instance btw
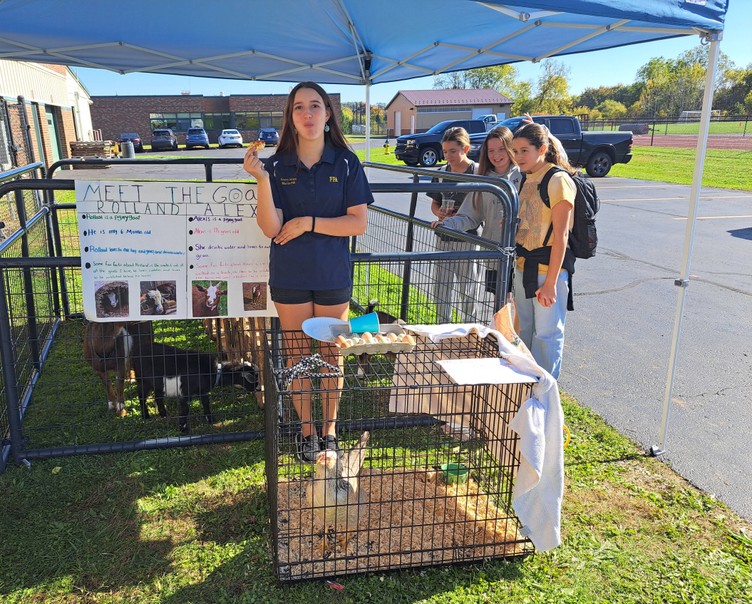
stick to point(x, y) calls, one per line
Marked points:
point(247, 120)
point(179, 122)
point(270, 119)
point(216, 121)
point(444, 109)
point(253, 120)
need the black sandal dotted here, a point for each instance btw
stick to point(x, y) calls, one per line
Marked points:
point(330, 442)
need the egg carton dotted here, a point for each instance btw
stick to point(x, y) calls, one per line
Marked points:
point(373, 343)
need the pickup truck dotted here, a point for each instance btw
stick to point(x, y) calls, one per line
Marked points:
point(596, 151)
point(424, 148)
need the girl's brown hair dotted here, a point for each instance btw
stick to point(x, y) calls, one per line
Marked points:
point(288, 140)
point(538, 135)
point(504, 134)
point(456, 135)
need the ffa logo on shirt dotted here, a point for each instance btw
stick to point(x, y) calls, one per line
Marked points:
point(288, 181)
point(333, 179)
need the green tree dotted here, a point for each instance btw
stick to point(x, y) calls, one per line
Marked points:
point(522, 95)
point(611, 109)
point(346, 119)
point(626, 94)
point(502, 78)
point(553, 89)
point(670, 86)
point(378, 118)
point(456, 80)
point(731, 97)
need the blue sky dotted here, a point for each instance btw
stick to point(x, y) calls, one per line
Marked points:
point(586, 70)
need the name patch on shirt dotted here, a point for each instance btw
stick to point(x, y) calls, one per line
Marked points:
point(288, 181)
point(333, 179)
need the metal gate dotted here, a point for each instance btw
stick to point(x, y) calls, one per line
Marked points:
point(53, 404)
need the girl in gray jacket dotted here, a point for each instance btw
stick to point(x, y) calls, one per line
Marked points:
point(496, 159)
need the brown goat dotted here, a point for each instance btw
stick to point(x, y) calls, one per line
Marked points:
point(206, 300)
point(107, 348)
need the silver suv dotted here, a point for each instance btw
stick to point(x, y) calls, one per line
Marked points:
point(163, 139)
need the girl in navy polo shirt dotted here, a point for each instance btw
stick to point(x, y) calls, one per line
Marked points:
point(312, 197)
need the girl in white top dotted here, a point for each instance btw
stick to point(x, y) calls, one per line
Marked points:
point(486, 209)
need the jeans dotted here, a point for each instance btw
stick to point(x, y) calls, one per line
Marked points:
point(542, 329)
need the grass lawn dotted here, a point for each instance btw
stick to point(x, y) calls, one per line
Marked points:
point(192, 525)
point(723, 169)
point(738, 127)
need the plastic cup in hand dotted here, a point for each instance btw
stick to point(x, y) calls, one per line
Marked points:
point(447, 206)
point(364, 323)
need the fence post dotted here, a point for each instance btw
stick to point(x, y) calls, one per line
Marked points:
point(410, 235)
point(28, 283)
point(54, 249)
point(9, 376)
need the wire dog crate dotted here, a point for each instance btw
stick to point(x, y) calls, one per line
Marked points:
point(417, 509)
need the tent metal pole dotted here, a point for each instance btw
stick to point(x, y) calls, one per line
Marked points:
point(368, 121)
point(694, 202)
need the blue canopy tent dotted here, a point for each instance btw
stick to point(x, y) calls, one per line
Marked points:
point(357, 42)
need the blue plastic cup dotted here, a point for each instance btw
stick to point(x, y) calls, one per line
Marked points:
point(364, 323)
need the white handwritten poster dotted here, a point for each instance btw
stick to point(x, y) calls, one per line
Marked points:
point(171, 250)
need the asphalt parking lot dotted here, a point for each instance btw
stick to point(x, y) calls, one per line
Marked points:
point(619, 336)
point(618, 341)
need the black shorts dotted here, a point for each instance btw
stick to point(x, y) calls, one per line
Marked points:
point(324, 297)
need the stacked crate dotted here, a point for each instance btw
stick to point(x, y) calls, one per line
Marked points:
point(93, 149)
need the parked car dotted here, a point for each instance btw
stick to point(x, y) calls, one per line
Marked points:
point(163, 139)
point(595, 151)
point(138, 145)
point(270, 136)
point(230, 138)
point(196, 137)
point(425, 148)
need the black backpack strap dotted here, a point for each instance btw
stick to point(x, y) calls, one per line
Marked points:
point(543, 192)
point(543, 185)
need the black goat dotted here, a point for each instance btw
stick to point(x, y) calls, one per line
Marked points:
point(186, 374)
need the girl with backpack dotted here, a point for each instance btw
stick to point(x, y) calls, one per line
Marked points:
point(544, 263)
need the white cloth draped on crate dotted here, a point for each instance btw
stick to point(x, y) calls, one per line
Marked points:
point(539, 484)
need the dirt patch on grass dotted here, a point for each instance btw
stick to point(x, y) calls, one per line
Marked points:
point(731, 143)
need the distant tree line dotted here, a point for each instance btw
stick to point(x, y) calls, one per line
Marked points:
point(663, 88)
point(353, 113)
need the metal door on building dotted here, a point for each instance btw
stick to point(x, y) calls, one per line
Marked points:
point(54, 141)
point(5, 159)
